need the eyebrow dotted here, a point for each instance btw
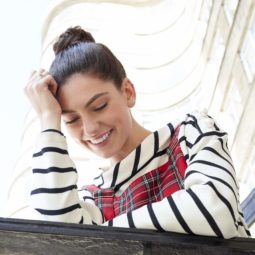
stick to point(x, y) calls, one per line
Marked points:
point(91, 100)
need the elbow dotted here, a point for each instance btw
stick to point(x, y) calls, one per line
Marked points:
point(216, 215)
point(229, 228)
point(225, 218)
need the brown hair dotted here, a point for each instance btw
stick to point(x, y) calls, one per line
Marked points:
point(77, 52)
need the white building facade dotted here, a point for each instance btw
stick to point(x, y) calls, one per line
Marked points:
point(181, 55)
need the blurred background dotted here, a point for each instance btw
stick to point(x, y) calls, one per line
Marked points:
point(20, 50)
point(182, 55)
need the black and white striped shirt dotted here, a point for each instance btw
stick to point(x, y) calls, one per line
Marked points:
point(207, 205)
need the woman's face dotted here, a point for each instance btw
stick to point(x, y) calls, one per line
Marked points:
point(97, 114)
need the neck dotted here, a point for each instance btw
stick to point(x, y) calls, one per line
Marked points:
point(138, 134)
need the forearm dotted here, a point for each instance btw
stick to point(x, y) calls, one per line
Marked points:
point(209, 203)
point(185, 211)
point(54, 194)
point(50, 121)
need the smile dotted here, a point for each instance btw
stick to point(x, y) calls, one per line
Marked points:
point(101, 139)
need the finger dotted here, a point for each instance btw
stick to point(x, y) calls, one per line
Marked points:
point(39, 76)
point(41, 70)
point(34, 76)
point(52, 85)
point(30, 79)
point(32, 73)
point(44, 79)
point(43, 73)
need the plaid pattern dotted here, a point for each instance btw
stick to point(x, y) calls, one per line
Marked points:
point(149, 188)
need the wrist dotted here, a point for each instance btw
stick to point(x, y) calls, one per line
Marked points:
point(50, 121)
point(53, 130)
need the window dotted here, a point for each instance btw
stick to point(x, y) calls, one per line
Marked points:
point(230, 9)
point(233, 110)
point(248, 52)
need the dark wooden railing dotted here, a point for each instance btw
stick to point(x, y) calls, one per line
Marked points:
point(39, 237)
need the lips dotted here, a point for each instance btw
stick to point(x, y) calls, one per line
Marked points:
point(101, 139)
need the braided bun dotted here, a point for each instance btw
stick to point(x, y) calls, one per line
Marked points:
point(72, 36)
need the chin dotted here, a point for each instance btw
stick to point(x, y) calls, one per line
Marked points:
point(103, 155)
point(98, 153)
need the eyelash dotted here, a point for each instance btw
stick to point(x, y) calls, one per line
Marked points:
point(96, 110)
point(100, 107)
point(71, 121)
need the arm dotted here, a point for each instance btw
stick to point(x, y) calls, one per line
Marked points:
point(54, 193)
point(209, 203)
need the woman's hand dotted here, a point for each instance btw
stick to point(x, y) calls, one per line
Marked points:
point(41, 91)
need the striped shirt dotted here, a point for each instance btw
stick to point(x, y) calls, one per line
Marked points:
point(180, 178)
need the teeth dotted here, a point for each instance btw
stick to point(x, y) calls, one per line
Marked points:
point(101, 139)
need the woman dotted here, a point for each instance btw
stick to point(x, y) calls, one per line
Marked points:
point(179, 178)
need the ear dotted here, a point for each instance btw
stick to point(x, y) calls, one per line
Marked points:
point(129, 93)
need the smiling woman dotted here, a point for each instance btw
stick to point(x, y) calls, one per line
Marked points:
point(179, 178)
point(99, 118)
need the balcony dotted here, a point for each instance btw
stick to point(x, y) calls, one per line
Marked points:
point(19, 236)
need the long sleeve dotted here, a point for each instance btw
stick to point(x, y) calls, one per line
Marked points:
point(54, 192)
point(209, 203)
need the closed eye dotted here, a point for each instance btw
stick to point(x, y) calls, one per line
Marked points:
point(71, 121)
point(101, 107)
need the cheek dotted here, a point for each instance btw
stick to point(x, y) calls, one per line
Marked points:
point(74, 132)
point(116, 116)
point(123, 119)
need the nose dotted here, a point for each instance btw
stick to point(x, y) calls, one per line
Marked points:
point(89, 127)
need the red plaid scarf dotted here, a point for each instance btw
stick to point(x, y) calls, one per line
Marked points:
point(149, 188)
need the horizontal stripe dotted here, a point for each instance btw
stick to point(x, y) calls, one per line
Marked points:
point(218, 154)
point(209, 163)
point(212, 177)
point(60, 211)
point(53, 130)
point(189, 122)
point(204, 135)
point(53, 190)
point(88, 197)
point(196, 123)
point(50, 149)
point(54, 169)
point(212, 133)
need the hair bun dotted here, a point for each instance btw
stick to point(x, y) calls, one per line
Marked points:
point(70, 37)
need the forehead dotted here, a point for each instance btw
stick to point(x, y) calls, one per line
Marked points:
point(80, 88)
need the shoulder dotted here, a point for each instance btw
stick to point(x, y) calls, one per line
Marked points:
point(199, 122)
point(197, 130)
